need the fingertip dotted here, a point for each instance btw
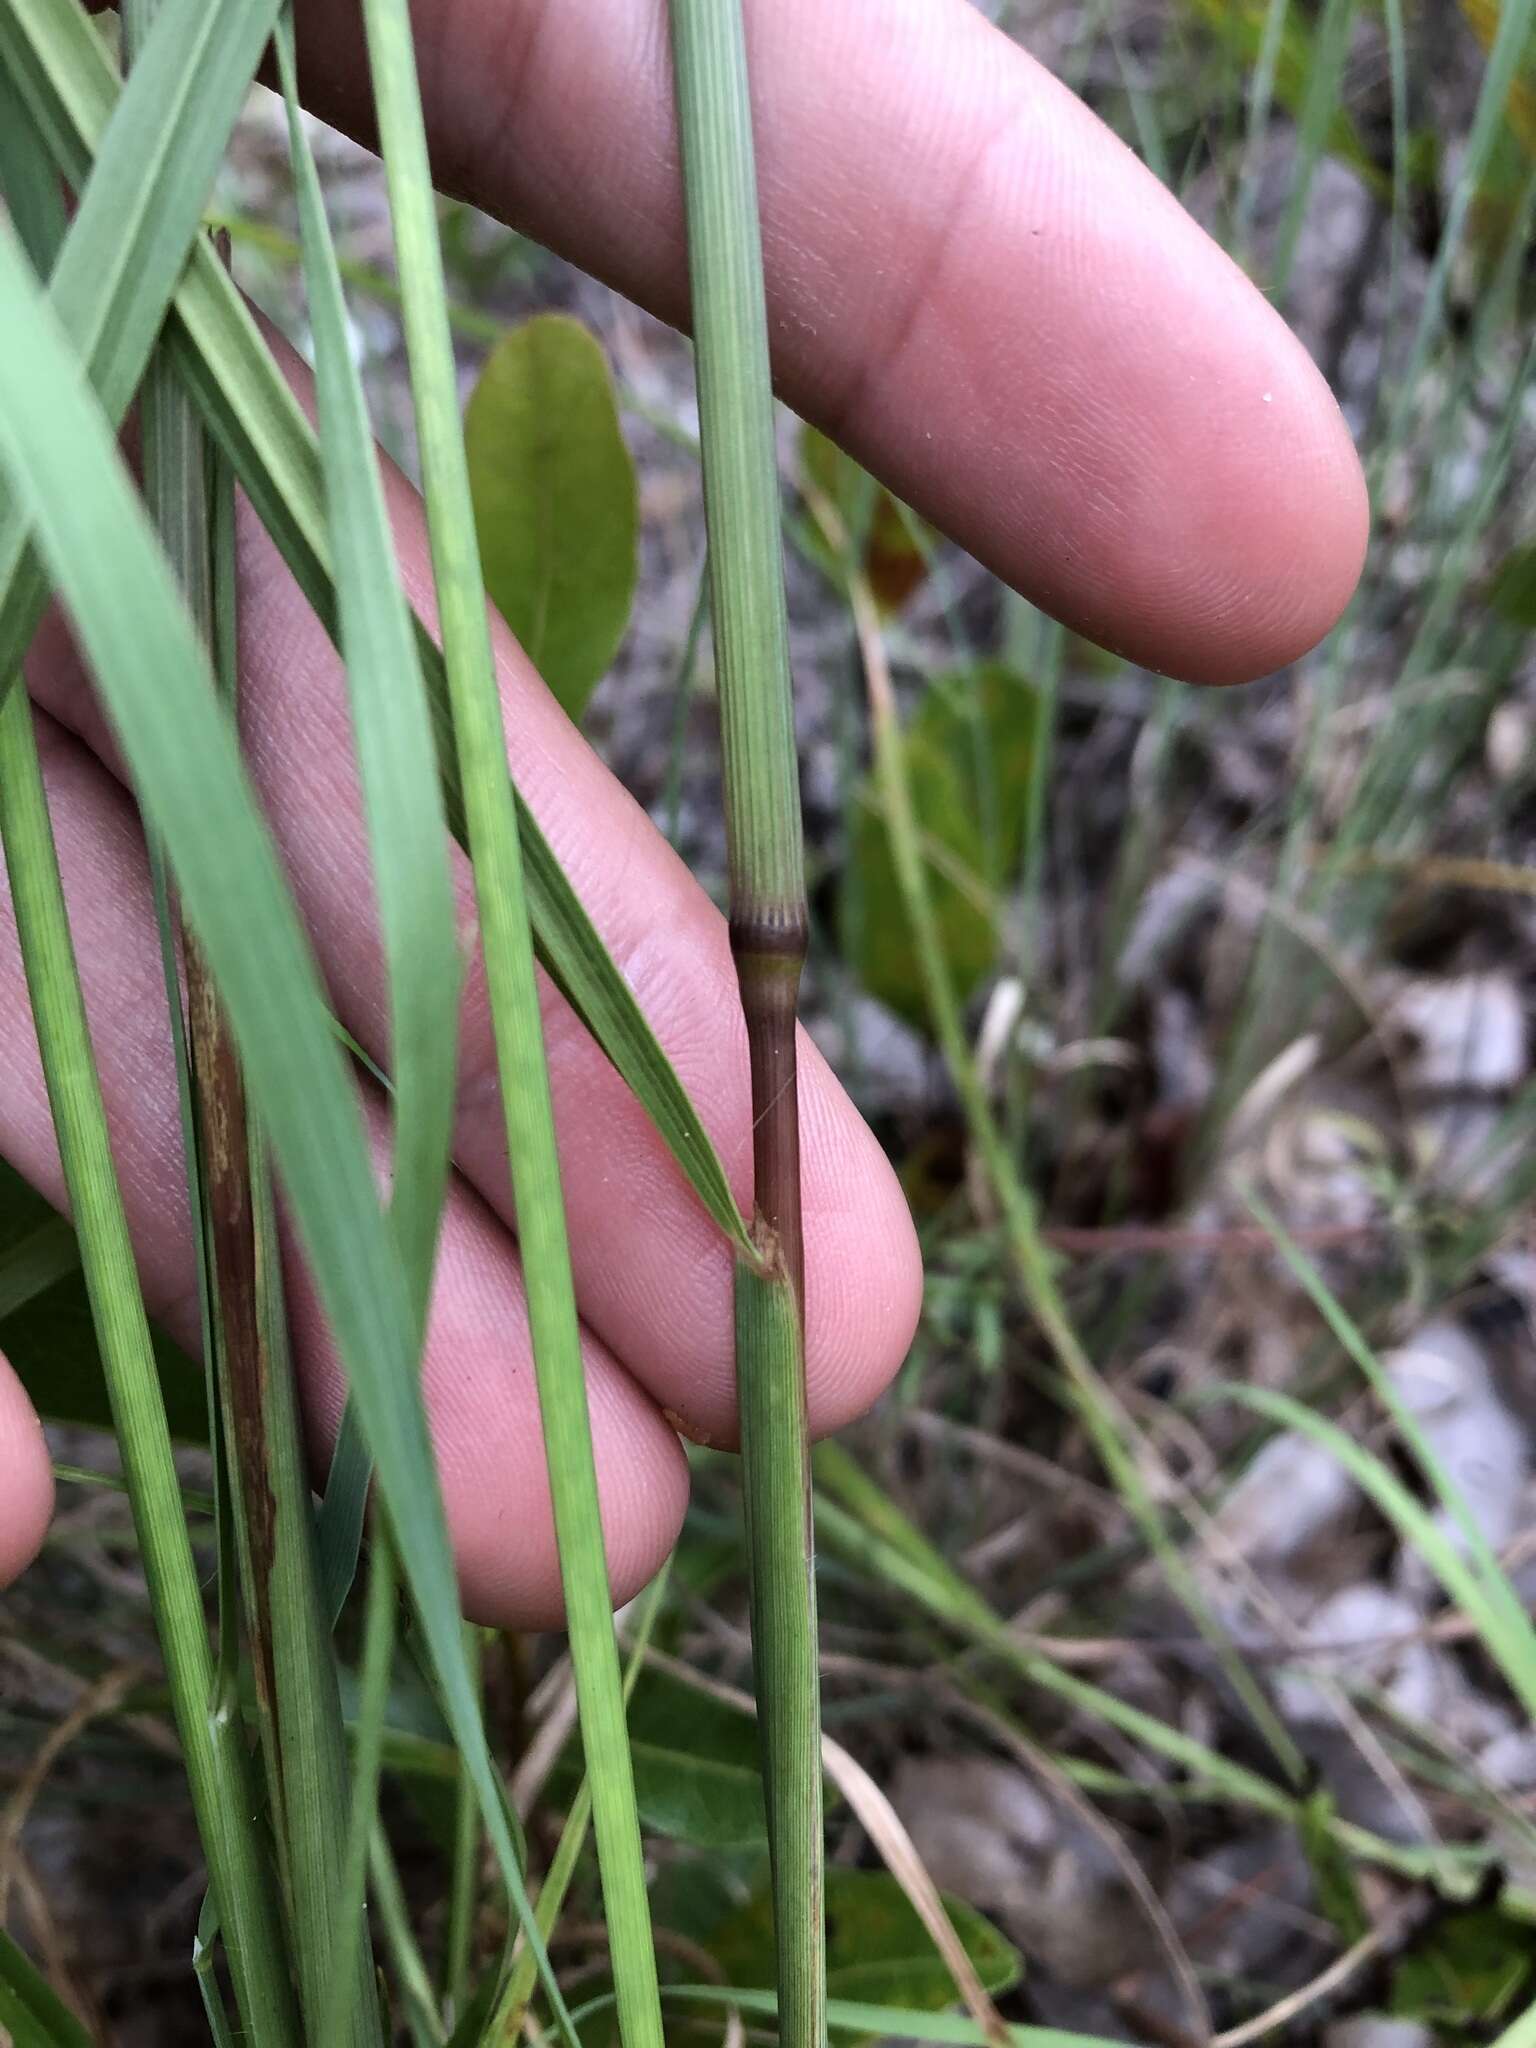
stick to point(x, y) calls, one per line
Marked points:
point(501, 1520)
point(26, 1478)
point(1279, 535)
point(480, 1390)
point(864, 1275)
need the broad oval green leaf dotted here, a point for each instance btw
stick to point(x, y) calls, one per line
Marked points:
point(556, 502)
point(1513, 590)
point(697, 1767)
point(47, 1332)
point(878, 1951)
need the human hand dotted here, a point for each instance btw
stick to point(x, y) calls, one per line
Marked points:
point(979, 291)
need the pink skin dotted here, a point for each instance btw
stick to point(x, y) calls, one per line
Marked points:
point(25, 1475)
point(998, 310)
point(973, 286)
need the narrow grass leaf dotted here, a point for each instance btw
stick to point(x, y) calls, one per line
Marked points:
point(1510, 42)
point(367, 1756)
point(507, 2020)
point(507, 943)
point(407, 832)
point(1318, 111)
point(190, 498)
point(30, 2012)
point(420, 2005)
point(464, 1883)
point(35, 1263)
point(139, 212)
point(305, 1733)
point(28, 183)
point(1514, 1616)
point(407, 828)
point(1511, 1644)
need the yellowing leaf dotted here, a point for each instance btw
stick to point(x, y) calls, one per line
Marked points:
point(881, 529)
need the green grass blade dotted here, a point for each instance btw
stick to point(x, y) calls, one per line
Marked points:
point(212, 1744)
point(577, 960)
point(912, 1565)
point(1510, 1640)
point(29, 2011)
point(191, 503)
point(421, 2014)
point(30, 1267)
point(1510, 43)
point(28, 183)
point(505, 2027)
point(464, 1887)
point(195, 524)
point(139, 212)
point(367, 1755)
point(343, 1512)
point(407, 829)
point(512, 989)
point(407, 832)
point(251, 411)
point(58, 449)
point(1325, 79)
point(305, 1733)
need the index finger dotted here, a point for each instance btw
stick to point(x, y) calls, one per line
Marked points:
point(972, 284)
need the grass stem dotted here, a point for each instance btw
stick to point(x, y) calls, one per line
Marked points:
point(768, 937)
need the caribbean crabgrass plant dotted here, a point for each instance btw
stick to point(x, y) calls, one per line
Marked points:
point(339, 1726)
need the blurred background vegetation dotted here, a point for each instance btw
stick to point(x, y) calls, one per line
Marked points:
point(1221, 1720)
